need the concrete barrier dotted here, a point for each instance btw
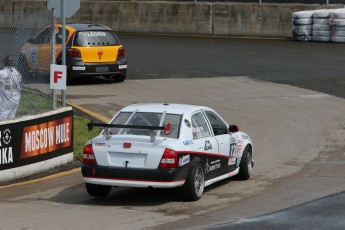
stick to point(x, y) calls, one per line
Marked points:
point(202, 18)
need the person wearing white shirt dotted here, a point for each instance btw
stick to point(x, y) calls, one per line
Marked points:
point(10, 89)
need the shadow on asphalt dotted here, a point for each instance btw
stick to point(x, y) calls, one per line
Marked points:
point(325, 213)
point(120, 196)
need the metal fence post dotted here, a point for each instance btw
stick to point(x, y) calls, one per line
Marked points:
point(63, 43)
point(260, 11)
point(53, 52)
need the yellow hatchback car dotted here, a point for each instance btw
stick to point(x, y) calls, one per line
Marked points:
point(91, 50)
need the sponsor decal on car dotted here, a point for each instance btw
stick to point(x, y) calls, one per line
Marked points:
point(184, 160)
point(213, 166)
point(200, 132)
point(189, 142)
point(187, 123)
point(96, 34)
point(239, 145)
point(208, 145)
point(233, 151)
point(100, 53)
point(33, 53)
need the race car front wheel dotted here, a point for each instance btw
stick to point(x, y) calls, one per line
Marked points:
point(246, 164)
point(194, 186)
point(97, 190)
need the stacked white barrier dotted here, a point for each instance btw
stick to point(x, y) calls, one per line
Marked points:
point(302, 25)
point(319, 25)
point(322, 30)
point(337, 21)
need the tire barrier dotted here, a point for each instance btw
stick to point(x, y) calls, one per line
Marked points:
point(319, 25)
point(321, 32)
point(337, 21)
point(321, 21)
point(302, 25)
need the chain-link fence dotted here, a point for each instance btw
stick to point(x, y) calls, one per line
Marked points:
point(320, 2)
point(25, 59)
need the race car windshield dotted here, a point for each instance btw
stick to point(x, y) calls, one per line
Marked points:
point(95, 38)
point(146, 119)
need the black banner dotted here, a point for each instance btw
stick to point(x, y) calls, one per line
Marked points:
point(31, 141)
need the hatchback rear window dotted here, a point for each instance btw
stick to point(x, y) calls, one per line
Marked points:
point(95, 38)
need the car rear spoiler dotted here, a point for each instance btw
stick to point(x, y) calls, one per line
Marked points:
point(152, 129)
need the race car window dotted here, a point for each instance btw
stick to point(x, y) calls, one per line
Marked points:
point(146, 119)
point(217, 124)
point(95, 38)
point(58, 37)
point(199, 126)
point(43, 37)
point(175, 121)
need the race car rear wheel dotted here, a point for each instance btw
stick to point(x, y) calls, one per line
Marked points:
point(97, 190)
point(194, 186)
point(69, 80)
point(246, 164)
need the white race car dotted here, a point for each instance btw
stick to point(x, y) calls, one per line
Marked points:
point(165, 146)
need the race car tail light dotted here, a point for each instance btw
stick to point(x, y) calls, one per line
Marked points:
point(121, 52)
point(74, 53)
point(88, 155)
point(169, 159)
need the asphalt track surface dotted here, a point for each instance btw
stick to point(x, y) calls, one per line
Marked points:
point(311, 65)
point(326, 213)
point(316, 66)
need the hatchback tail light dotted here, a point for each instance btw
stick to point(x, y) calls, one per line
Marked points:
point(169, 159)
point(121, 52)
point(88, 155)
point(74, 53)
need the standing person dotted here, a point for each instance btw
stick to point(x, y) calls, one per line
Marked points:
point(10, 90)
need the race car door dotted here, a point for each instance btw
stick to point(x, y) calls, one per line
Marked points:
point(206, 146)
point(226, 143)
point(39, 51)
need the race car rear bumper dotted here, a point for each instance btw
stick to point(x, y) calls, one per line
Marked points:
point(79, 69)
point(130, 177)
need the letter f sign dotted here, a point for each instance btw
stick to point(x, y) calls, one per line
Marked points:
point(58, 75)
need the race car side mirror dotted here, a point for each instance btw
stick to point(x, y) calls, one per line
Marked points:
point(233, 128)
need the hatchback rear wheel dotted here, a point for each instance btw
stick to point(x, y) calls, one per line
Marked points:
point(119, 78)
